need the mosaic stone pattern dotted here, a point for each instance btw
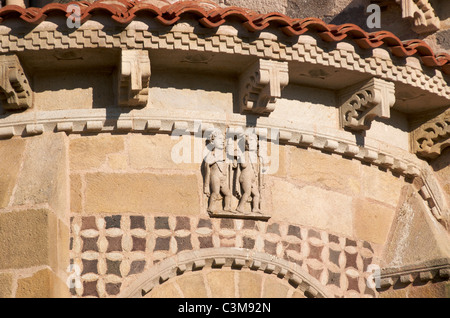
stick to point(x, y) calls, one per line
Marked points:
point(112, 250)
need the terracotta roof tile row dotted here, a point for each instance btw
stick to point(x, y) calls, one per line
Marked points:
point(212, 16)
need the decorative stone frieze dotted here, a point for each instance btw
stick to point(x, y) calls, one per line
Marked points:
point(429, 139)
point(421, 14)
point(134, 78)
point(362, 103)
point(261, 84)
point(15, 91)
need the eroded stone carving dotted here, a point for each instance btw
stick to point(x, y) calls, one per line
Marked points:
point(421, 14)
point(362, 103)
point(234, 176)
point(134, 78)
point(217, 177)
point(261, 84)
point(429, 139)
point(15, 90)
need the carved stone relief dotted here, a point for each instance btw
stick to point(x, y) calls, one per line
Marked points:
point(421, 14)
point(362, 103)
point(134, 78)
point(433, 136)
point(261, 84)
point(234, 176)
point(15, 91)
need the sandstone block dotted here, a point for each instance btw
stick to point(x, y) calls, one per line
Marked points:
point(192, 285)
point(221, 284)
point(142, 193)
point(324, 170)
point(42, 284)
point(89, 152)
point(43, 176)
point(11, 152)
point(166, 290)
point(249, 285)
point(381, 185)
point(312, 206)
point(372, 221)
point(164, 152)
point(274, 288)
point(75, 193)
point(6, 281)
point(27, 238)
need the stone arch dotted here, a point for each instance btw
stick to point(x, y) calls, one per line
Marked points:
point(233, 263)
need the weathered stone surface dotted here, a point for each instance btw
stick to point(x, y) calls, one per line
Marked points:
point(75, 193)
point(90, 152)
point(167, 290)
point(11, 152)
point(155, 152)
point(314, 167)
point(6, 281)
point(44, 173)
point(312, 206)
point(192, 285)
point(249, 285)
point(221, 283)
point(142, 193)
point(416, 237)
point(381, 185)
point(372, 221)
point(27, 238)
point(42, 284)
point(274, 288)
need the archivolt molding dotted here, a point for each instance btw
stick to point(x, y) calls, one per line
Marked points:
point(233, 258)
point(439, 271)
point(225, 39)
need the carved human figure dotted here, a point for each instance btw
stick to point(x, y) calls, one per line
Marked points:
point(250, 178)
point(217, 173)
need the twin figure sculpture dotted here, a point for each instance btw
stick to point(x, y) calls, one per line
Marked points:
point(238, 174)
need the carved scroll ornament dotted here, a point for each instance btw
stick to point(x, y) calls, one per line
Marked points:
point(261, 84)
point(432, 137)
point(362, 103)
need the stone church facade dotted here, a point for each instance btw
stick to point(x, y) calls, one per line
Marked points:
point(229, 148)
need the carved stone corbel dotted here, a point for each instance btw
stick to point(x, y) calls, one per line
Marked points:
point(421, 14)
point(134, 78)
point(430, 138)
point(360, 104)
point(260, 85)
point(15, 90)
